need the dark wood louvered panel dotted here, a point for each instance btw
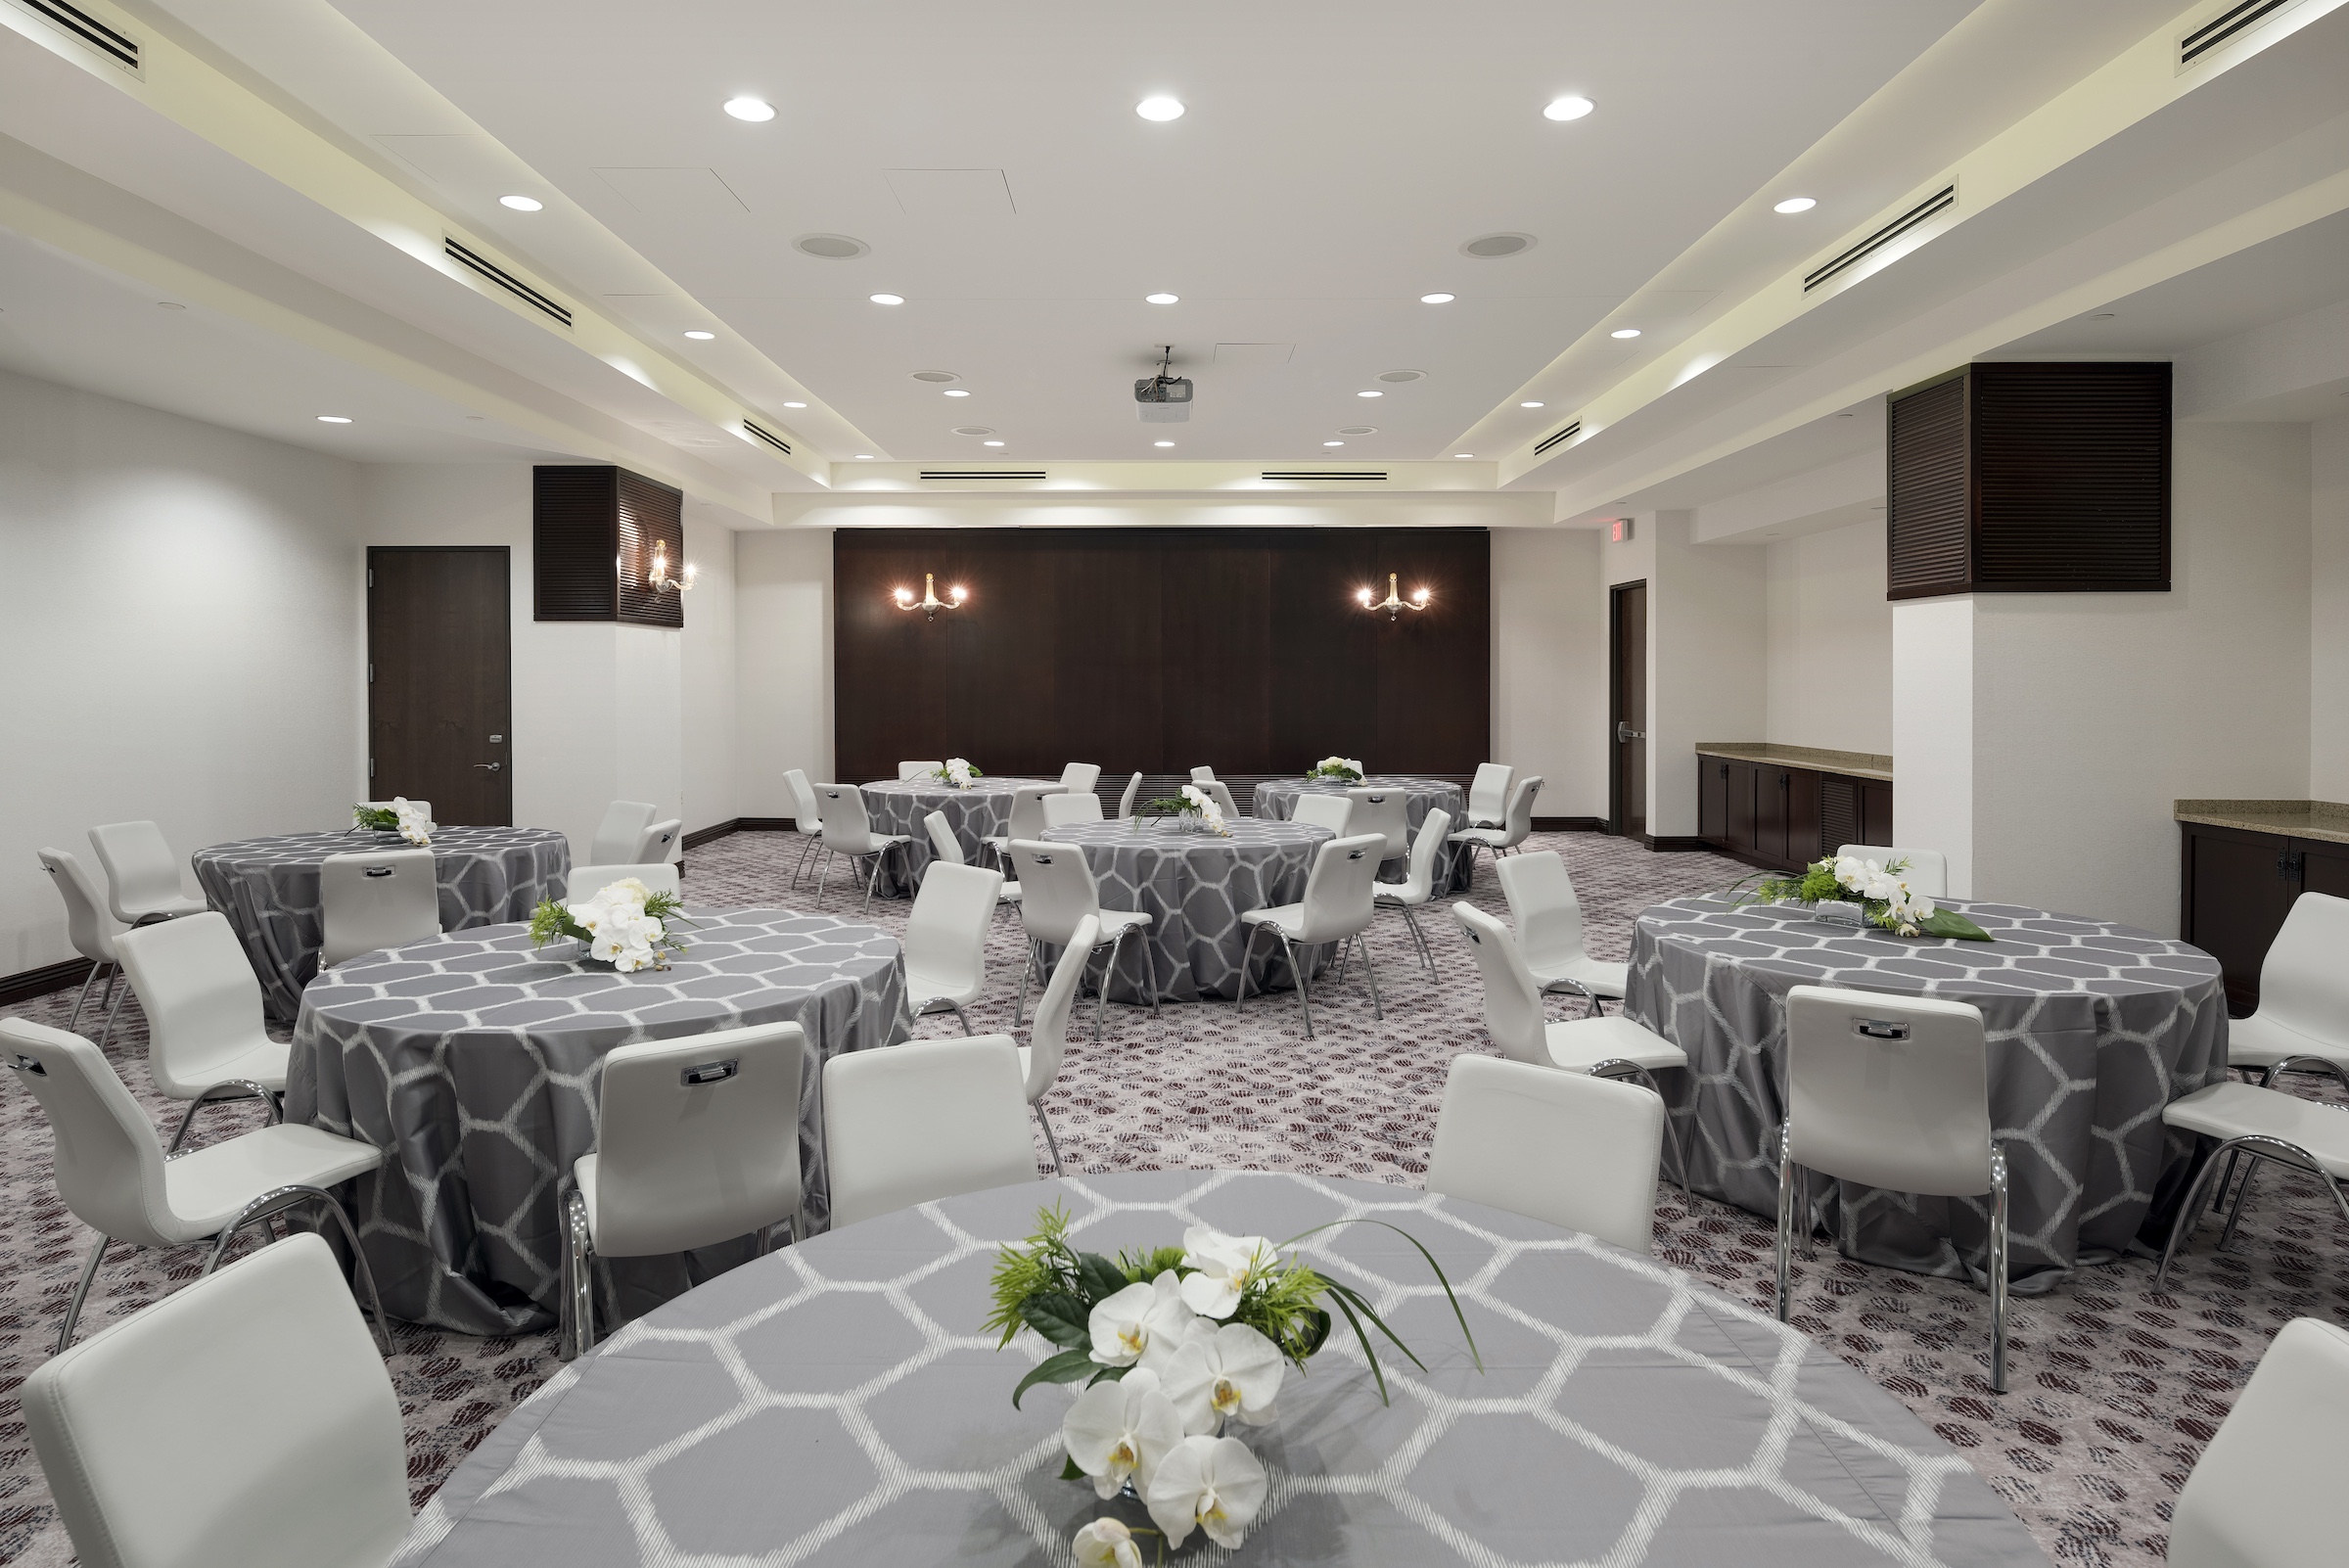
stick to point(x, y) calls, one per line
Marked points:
point(1838, 812)
point(650, 516)
point(1928, 510)
point(572, 542)
point(2073, 477)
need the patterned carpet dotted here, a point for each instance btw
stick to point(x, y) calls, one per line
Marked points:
point(2114, 1389)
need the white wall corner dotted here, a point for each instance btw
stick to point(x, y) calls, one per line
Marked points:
point(1933, 731)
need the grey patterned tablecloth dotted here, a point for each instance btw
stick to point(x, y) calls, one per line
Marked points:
point(836, 1403)
point(1194, 886)
point(474, 1063)
point(898, 806)
point(2094, 1028)
point(268, 888)
point(1277, 801)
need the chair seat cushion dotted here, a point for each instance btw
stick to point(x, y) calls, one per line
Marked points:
point(1583, 1043)
point(178, 904)
point(2243, 1110)
point(206, 1188)
point(2257, 1041)
point(1009, 893)
point(1114, 921)
point(1288, 917)
point(922, 988)
point(1395, 896)
point(263, 1060)
point(1491, 837)
point(1594, 975)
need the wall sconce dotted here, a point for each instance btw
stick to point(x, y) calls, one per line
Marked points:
point(659, 580)
point(929, 604)
point(1393, 604)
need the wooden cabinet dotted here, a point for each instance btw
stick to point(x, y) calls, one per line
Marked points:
point(2235, 889)
point(1781, 817)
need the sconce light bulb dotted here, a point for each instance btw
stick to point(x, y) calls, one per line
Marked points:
point(958, 593)
point(1364, 595)
point(905, 597)
point(1420, 596)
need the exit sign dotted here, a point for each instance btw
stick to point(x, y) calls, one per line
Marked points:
point(1620, 530)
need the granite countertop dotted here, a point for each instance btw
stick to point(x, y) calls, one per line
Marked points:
point(1854, 764)
point(2298, 819)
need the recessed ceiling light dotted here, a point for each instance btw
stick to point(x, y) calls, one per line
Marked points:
point(1369, 394)
point(1162, 444)
point(1463, 454)
point(1333, 443)
point(169, 305)
point(1795, 203)
point(1162, 299)
point(1529, 406)
point(1568, 107)
point(864, 457)
point(830, 247)
point(333, 419)
point(701, 337)
point(1435, 299)
point(991, 444)
point(1160, 108)
point(956, 392)
point(974, 430)
point(886, 298)
point(1403, 375)
point(2102, 315)
point(1624, 332)
point(758, 111)
point(1492, 247)
point(1357, 430)
point(795, 406)
point(936, 377)
point(522, 204)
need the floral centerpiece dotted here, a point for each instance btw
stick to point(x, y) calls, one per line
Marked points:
point(1337, 770)
point(957, 773)
point(1172, 1343)
point(1193, 806)
point(1874, 891)
point(624, 924)
point(403, 816)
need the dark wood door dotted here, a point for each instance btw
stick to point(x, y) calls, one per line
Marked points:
point(1875, 814)
point(1713, 800)
point(2238, 889)
point(1769, 813)
point(1801, 817)
point(1741, 807)
point(1626, 708)
point(439, 702)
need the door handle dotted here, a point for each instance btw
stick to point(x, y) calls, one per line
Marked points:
point(491, 766)
point(1625, 732)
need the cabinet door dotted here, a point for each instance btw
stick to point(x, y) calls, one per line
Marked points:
point(1801, 817)
point(1876, 813)
point(1770, 815)
point(2324, 866)
point(1713, 800)
point(2236, 894)
point(1741, 807)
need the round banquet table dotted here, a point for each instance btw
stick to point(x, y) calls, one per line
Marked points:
point(836, 1403)
point(473, 1063)
point(2092, 1029)
point(1195, 887)
point(268, 888)
point(898, 805)
point(1277, 801)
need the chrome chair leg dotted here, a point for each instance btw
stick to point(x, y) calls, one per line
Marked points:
point(576, 1333)
point(73, 1024)
point(108, 1033)
point(1785, 1211)
point(1344, 955)
point(1050, 1142)
point(1019, 1009)
point(823, 878)
point(243, 1089)
point(880, 856)
point(1304, 1003)
point(293, 1194)
point(1239, 1000)
point(1101, 995)
point(2235, 1214)
point(1998, 1268)
point(82, 1291)
point(1378, 1012)
point(1618, 1068)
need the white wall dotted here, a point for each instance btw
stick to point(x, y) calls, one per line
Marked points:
point(2328, 611)
point(1550, 665)
point(1707, 656)
point(712, 722)
point(783, 645)
point(1932, 665)
point(1829, 641)
point(176, 634)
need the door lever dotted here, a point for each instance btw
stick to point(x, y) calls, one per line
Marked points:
point(1625, 732)
point(491, 766)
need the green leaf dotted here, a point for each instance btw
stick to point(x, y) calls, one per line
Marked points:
point(1316, 1334)
point(1062, 1319)
point(1459, 1316)
point(1369, 1354)
point(1362, 1304)
point(1070, 1472)
point(1066, 1367)
point(1106, 1374)
point(1950, 923)
point(1098, 1277)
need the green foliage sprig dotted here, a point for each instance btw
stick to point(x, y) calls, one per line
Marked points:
point(1170, 806)
point(1819, 884)
point(380, 819)
point(552, 920)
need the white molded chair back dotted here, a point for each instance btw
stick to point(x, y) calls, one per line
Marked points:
point(1203, 776)
point(1382, 811)
point(804, 813)
point(1048, 1039)
point(2267, 1491)
point(657, 842)
point(1419, 885)
point(930, 1119)
point(912, 770)
point(1133, 788)
point(586, 881)
point(1220, 793)
point(1080, 778)
point(1890, 1091)
point(370, 901)
point(1333, 812)
point(142, 877)
point(243, 1419)
point(108, 1160)
point(698, 1141)
point(1519, 820)
point(202, 1003)
point(848, 828)
point(1057, 891)
point(942, 842)
point(622, 830)
point(1568, 1148)
point(1488, 794)
point(1068, 810)
point(1928, 870)
point(89, 926)
point(1027, 810)
point(2304, 979)
point(1512, 997)
point(1543, 908)
point(1337, 901)
point(945, 934)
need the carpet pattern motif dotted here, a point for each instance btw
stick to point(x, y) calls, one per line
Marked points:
point(2114, 1387)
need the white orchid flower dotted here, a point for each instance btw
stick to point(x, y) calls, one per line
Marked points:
point(1212, 1482)
point(1107, 1544)
point(1851, 871)
point(1226, 1265)
point(1196, 795)
point(1121, 1431)
point(1354, 763)
point(1922, 907)
point(1126, 1326)
point(1225, 1372)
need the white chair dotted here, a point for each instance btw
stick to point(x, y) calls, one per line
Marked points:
point(2264, 1125)
point(908, 771)
point(371, 901)
point(657, 842)
point(1419, 886)
point(1080, 778)
point(1071, 811)
point(92, 931)
point(1516, 823)
point(949, 848)
point(697, 1142)
point(622, 830)
point(1891, 1092)
point(1604, 1046)
point(1489, 794)
point(2303, 1016)
point(1563, 1147)
point(142, 875)
point(1548, 918)
point(1331, 812)
point(1384, 811)
point(586, 881)
point(849, 831)
point(1336, 907)
point(2267, 1491)
point(1048, 1039)
point(926, 1120)
point(804, 818)
point(1026, 817)
point(946, 939)
point(204, 1036)
point(1928, 870)
point(1203, 775)
point(1134, 789)
point(112, 1174)
point(1220, 793)
point(240, 1420)
point(1057, 893)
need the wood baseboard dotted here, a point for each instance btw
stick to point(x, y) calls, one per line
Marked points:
point(1570, 824)
point(1672, 844)
point(30, 983)
point(715, 830)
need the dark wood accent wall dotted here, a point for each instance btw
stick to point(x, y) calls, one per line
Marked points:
point(2039, 477)
point(585, 520)
point(1162, 649)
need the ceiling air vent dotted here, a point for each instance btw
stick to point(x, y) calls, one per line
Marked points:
point(983, 474)
point(87, 30)
point(2224, 28)
point(459, 253)
point(1828, 271)
point(767, 436)
point(1365, 474)
point(1558, 439)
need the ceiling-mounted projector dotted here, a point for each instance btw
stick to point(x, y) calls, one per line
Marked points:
point(1162, 400)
